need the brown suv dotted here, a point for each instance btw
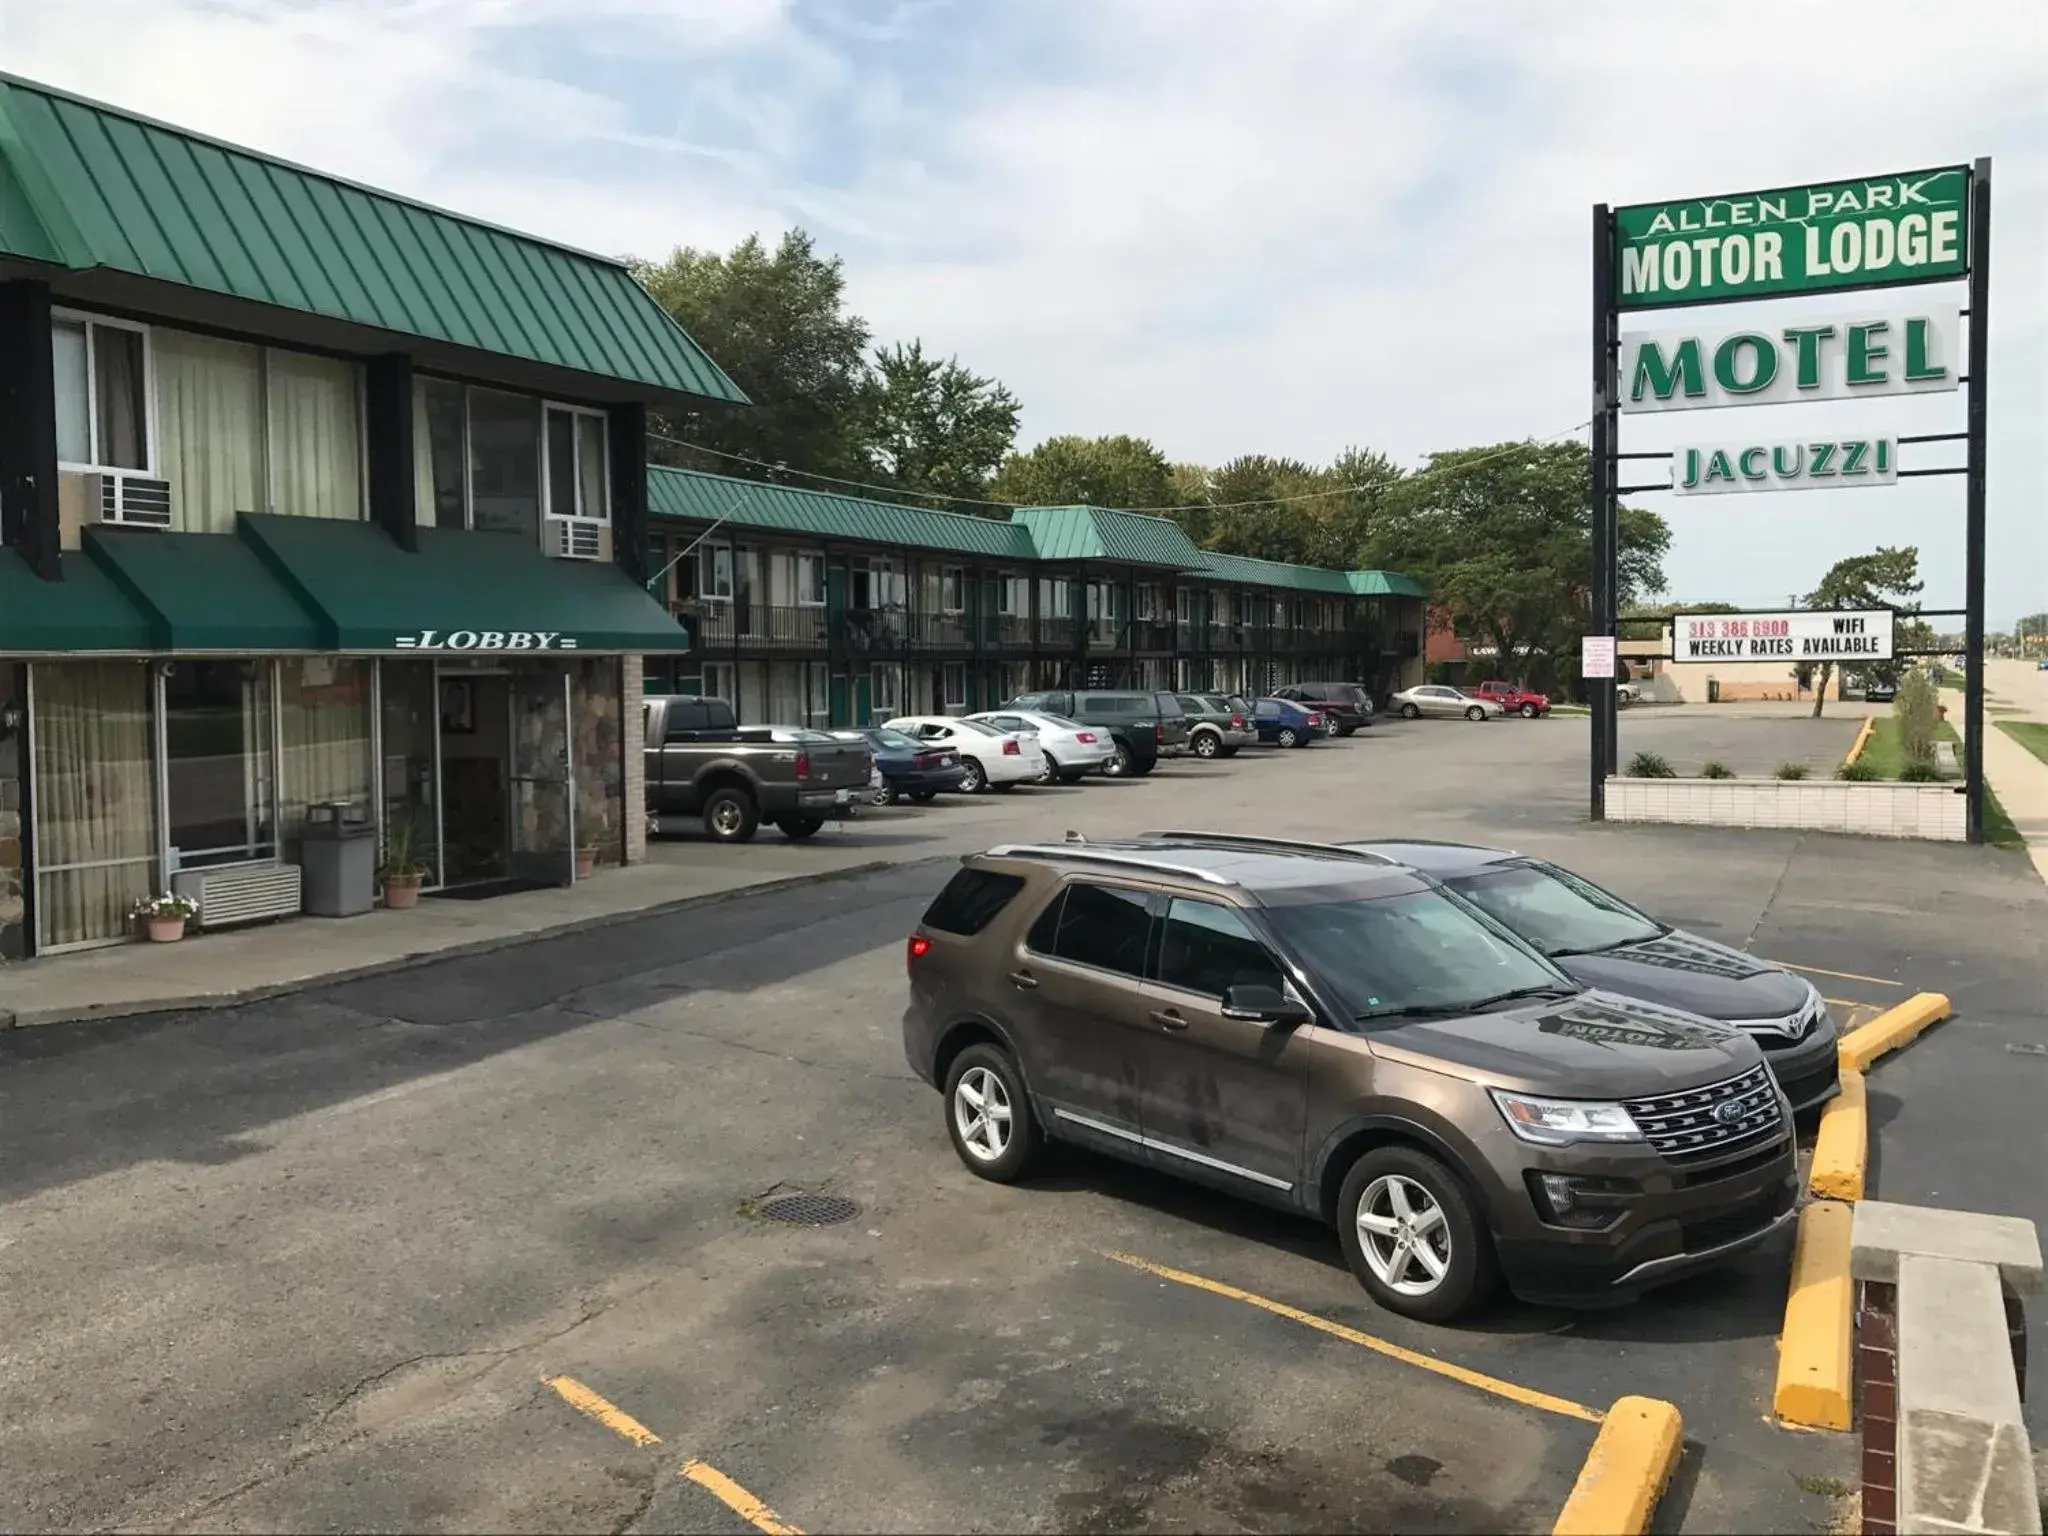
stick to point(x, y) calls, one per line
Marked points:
point(1330, 1032)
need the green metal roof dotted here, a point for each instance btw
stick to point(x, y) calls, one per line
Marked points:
point(1385, 584)
point(1273, 573)
point(827, 515)
point(89, 186)
point(367, 594)
point(180, 583)
point(1092, 533)
point(85, 611)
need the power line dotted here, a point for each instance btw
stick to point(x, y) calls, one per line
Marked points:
point(1206, 506)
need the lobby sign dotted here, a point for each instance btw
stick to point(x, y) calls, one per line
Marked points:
point(1904, 352)
point(1812, 634)
point(1713, 469)
point(1910, 228)
point(486, 640)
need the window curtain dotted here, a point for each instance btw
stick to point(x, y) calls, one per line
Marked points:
point(326, 731)
point(316, 436)
point(209, 429)
point(95, 798)
point(437, 433)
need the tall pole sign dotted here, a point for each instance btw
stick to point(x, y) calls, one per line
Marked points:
point(1841, 238)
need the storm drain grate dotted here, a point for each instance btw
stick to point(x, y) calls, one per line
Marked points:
point(808, 1210)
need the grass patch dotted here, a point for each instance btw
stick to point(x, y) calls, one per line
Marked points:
point(2031, 734)
point(1648, 765)
point(1794, 770)
point(1714, 768)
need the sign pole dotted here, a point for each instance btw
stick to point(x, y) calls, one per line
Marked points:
point(1601, 695)
point(1973, 599)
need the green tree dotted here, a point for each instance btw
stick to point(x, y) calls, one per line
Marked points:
point(933, 426)
point(777, 323)
point(1094, 471)
point(1503, 537)
point(1880, 579)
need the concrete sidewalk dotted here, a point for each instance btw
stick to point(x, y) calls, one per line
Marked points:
point(2019, 778)
point(214, 970)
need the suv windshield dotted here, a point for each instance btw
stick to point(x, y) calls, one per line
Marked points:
point(1554, 910)
point(1423, 952)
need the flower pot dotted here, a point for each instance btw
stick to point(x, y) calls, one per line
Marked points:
point(586, 863)
point(164, 930)
point(402, 890)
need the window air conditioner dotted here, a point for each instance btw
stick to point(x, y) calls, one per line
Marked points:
point(577, 538)
point(133, 500)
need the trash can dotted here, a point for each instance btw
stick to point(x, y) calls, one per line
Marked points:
point(338, 859)
point(1713, 691)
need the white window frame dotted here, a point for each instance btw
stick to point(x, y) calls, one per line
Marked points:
point(948, 673)
point(721, 681)
point(547, 482)
point(708, 585)
point(955, 577)
point(92, 392)
point(810, 568)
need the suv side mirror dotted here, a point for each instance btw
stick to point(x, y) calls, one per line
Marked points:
point(1264, 1005)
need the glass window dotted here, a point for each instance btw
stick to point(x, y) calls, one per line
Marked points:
point(101, 373)
point(952, 587)
point(95, 799)
point(325, 725)
point(1555, 910)
point(504, 463)
point(1105, 926)
point(954, 683)
point(971, 900)
point(74, 391)
point(714, 575)
point(1045, 928)
point(439, 455)
point(1208, 948)
point(577, 472)
point(316, 436)
point(217, 762)
point(810, 580)
point(210, 429)
point(592, 467)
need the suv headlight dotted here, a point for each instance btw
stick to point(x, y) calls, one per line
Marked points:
point(1559, 1122)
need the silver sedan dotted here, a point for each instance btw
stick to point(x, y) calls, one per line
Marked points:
point(1443, 701)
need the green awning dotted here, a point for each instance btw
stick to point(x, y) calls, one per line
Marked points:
point(462, 592)
point(203, 592)
point(83, 612)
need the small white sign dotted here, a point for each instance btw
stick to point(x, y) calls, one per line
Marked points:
point(1596, 656)
point(1814, 634)
point(1899, 353)
point(1714, 469)
point(486, 640)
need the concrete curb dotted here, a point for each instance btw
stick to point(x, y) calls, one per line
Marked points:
point(1631, 1462)
point(204, 1001)
point(1862, 740)
point(1815, 1348)
point(1891, 1029)
point(1841, 1148)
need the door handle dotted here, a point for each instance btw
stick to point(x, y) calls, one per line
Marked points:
point(1167, 1018)
point(1024, 980)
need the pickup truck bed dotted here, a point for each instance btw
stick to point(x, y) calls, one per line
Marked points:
point(702, 764)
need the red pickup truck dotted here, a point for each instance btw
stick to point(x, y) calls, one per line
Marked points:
point(1513, 700)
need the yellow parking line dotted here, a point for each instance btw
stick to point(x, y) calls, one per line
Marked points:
point(738, 1500)
point(1528, 1397)
point(1814, 970)
point(610, 1415)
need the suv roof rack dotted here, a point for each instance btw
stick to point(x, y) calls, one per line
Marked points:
point(1274, 845)
point(1081, 854)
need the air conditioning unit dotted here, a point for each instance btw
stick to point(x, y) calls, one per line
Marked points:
point(578, 538)
point(133, 500)
point(240, 893)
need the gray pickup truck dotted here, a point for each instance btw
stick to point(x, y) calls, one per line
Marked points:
point(701, 762)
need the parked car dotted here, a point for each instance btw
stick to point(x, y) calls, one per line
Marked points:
point(1444, 702)
point(1372, 1052)
point(906, 766)
point(1598, 939)
point(1217, 726)
point(1072, 750)
point(701, 762)
point(1514, 700)
point(1285, 723)
point(1140, 731)
point(989, 758)
point(1345, 707)
point(1875, 692)
point(1626, 694)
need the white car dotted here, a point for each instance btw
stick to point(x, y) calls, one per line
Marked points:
point(992, 759)
point(1071, 749)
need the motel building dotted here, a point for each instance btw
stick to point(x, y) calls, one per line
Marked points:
point(311, 497)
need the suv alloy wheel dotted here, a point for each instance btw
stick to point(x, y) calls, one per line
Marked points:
point(1206, 744)
point(1411, 1235)
point(989, 1114)
point(973, 777)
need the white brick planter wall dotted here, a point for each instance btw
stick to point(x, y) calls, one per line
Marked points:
point(1933, 811)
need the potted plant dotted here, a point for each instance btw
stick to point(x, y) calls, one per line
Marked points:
point(163, 918)
point(403, 870)
point(586, 861)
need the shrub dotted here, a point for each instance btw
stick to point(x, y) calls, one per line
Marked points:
point(1793, 770)
point(1858, 772)
point(1648, 765)
point(1920, 773)
point(1714, 768)
point(1915, 711)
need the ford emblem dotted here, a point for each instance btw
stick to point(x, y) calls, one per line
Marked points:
point(1728, 1111)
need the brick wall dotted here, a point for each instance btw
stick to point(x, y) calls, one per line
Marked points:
point(631, 721)
point(1877, 1391)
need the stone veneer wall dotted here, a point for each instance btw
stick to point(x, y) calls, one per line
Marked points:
point(13, 835)
point(632, 729)
point(599, 710)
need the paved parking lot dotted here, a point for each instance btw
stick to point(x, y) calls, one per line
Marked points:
point(347, 1259)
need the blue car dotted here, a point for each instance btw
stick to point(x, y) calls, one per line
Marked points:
point(907, 766)
point(1283, 723)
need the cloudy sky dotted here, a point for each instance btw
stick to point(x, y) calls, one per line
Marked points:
point(1285, 226)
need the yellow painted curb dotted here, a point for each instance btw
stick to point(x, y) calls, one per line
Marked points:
point(1814, 1350)
point(1842, 1147)
point(1862, 739)
point(1631, 1461)
point(1891, 1029)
